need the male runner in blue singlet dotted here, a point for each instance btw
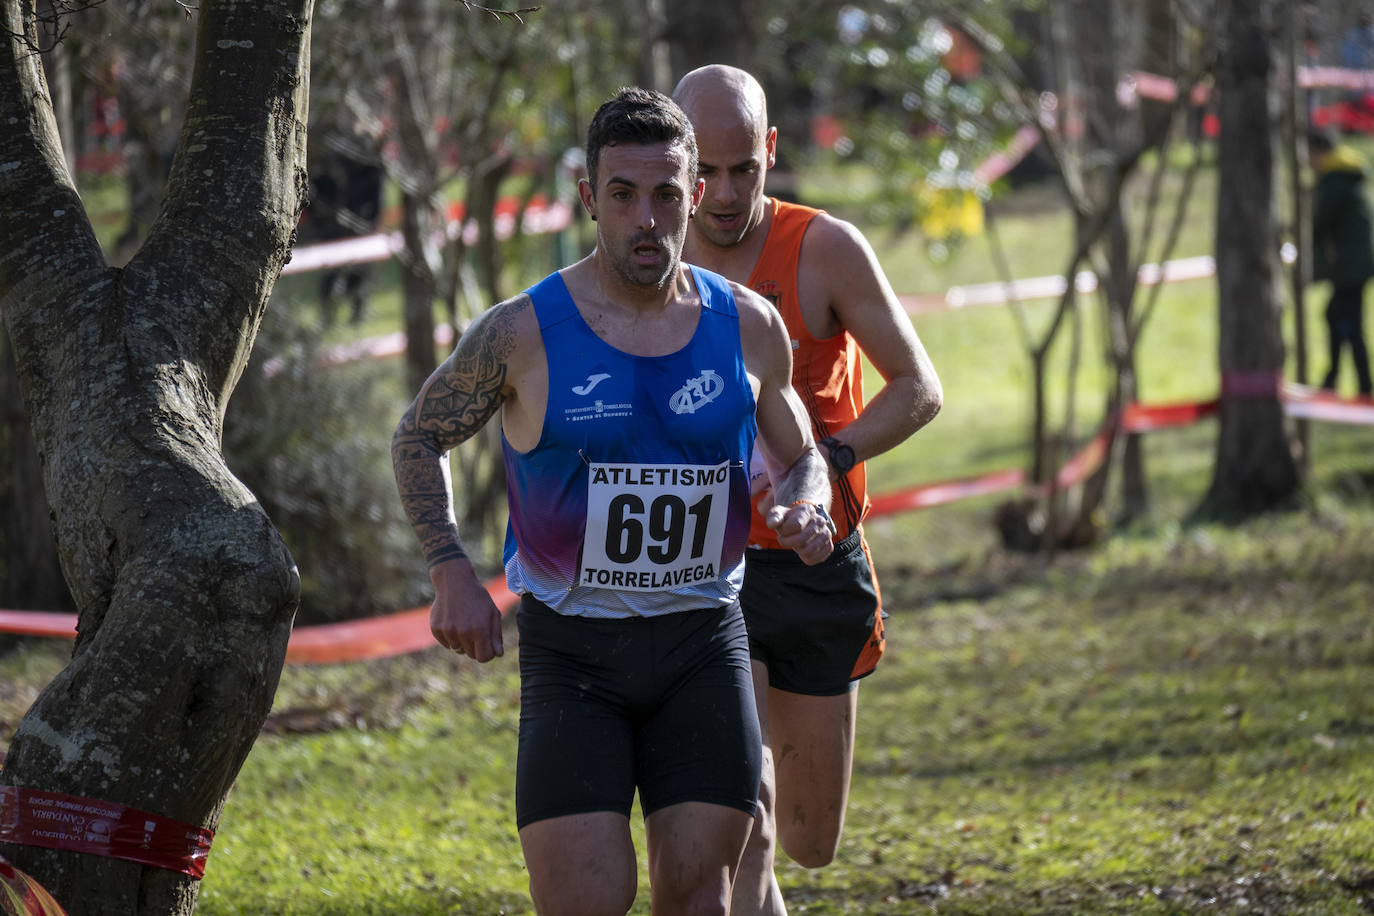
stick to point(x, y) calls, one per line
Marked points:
point(631, 389)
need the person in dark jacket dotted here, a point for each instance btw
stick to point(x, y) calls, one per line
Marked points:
point(1343, 252)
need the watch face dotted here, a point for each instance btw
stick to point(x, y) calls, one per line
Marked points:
point(841, 456)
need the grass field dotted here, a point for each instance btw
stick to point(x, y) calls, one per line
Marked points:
point(1180, 721)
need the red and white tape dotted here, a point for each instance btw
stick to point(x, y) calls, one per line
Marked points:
point(52, 820)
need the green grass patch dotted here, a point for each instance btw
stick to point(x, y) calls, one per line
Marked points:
point(1177, 722)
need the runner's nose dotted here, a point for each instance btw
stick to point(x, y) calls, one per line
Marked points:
point(721, 191)
point(644, 217)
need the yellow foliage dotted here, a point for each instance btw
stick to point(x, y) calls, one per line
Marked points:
point(948, 213)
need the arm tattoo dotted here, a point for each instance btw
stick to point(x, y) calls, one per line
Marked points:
point(457, 401)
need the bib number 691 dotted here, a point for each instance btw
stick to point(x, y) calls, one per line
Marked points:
point(652, 527)
point(666, 523)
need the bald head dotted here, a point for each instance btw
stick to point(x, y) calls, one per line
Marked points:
point(736, 148)
point(724, 95)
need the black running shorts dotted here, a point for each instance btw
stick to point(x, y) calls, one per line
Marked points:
point(817, 628)
point(663, 704)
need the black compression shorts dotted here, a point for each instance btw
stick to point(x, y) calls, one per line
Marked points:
point(663, 704)
point(817, 628)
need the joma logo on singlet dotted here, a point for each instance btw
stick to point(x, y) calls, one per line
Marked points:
point(697, 392)
point(592, 382)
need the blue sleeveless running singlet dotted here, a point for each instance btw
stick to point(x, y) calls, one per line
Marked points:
point(635, 501)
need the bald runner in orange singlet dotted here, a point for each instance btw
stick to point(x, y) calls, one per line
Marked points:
point(814, 631)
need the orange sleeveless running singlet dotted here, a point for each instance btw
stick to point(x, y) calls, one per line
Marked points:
point(826, 374)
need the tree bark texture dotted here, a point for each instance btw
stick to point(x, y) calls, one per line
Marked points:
point(31, 575)
point(1255, 470)
point(185, 593)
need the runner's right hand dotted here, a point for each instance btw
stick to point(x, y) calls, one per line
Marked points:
point(463, 617)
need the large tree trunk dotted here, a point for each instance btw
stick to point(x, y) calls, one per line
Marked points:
point(1255, 470)
point(185, 593)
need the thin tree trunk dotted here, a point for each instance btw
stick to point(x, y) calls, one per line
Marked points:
point(1295, 120)
point(57, 65)
point(482, 199)
point(1254, 469)
point(419, 288)
point(1135, 490)
point(409, 61)
point(1158, 22)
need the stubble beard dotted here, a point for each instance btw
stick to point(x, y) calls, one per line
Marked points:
point(622, 262)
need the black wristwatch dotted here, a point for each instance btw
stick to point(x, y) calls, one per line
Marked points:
point(841, 455)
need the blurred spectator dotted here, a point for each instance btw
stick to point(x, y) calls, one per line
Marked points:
point(1342, 250)
point(345, 202)
point(1357, 45)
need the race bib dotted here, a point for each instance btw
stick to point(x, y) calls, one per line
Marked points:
point(652, 527)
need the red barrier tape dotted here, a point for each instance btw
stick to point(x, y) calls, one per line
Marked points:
point(38, 623)
point(1137, 418)
point(1087, 460)
point(52, 820)
point(377, 637)
point(1316, 404)
point(539, 217)
point(348, 640)
point(408, 631)
point(939, 494)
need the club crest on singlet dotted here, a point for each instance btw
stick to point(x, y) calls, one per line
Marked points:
point(697, 392)
point(654, 526)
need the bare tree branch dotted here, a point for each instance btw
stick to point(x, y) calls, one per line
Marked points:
point(1004, 273)
point(1175, 230)
point(52, 23)
point(499, 15)
point(1013, 85)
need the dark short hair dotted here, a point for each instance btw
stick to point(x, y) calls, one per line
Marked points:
point(1320, 140)
point(641, 116)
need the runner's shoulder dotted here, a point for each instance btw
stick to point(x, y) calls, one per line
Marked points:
point(504, 326)
point(755, 312)
point(835, 242)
